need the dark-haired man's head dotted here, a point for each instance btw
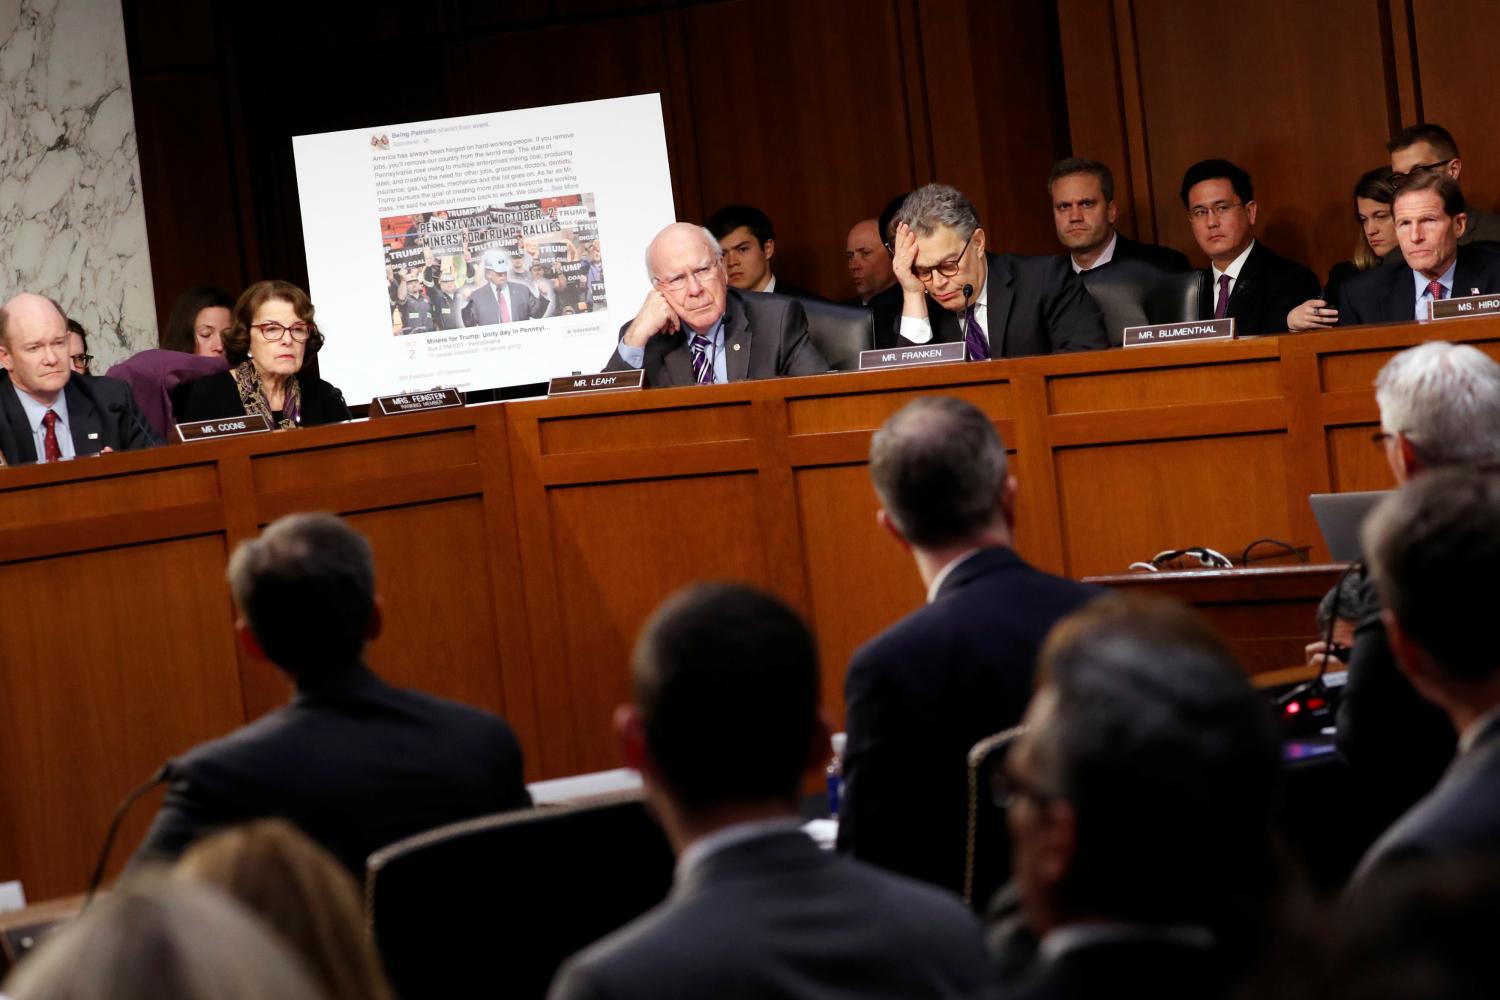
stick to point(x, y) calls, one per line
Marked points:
point(1083, 205)
point(749, 243)
point(1220, 202)
point(1424, 147)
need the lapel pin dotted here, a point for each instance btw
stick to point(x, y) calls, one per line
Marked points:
point(736, 347)
point(1473, 291)
point(93, 436)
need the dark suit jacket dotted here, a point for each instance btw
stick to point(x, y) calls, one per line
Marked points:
point(1389, 294)
point(765, 336)
point(923, 692)
point(1269, 287)
point(1036, 305)
point(1157, 969)
point(101, 413)
point(218, 396)
point(1164, 258)
point(483, 308)
point(353, 762)
point(778, 917)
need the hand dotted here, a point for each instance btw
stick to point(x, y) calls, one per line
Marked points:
point(905, 254)
point(1314, 314)
point(656, 316)
point(1319, 652)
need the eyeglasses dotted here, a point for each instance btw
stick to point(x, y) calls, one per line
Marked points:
point(1421, 167)
point(678, 282)
point(275, 333)
point(81, 359)
point(947, 268)
point(1223, 208)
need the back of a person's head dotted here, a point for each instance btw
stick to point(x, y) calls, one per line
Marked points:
point(726, 685)
point(304, 894)
point(1445, 399)
point(306, 587)
point(155, 939)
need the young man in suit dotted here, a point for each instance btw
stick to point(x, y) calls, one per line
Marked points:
point(959, 669)
point(724, 724)
point(1244, 279)
point(48, 412)
point(749, 243)
point(1084, 212)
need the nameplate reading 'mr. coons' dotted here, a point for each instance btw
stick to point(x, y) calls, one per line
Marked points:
point(567, 385)
point(224, 427)
point(904, 357)
point(1179, 333)
point(415, 402)
point(1468, 305)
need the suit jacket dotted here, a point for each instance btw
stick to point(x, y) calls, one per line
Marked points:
point(1162, 970)
point(765, 336)
point(353, 762)
point(1163, 258)
point(776, 916)
point(923, 692)
point(1269, 287)
point(218, 396)
point(101, 414)
point(483, 308)
point(1036, 305)
point(1389, 294)
point(793, 291)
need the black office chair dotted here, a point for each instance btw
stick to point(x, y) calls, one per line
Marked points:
point(1135, 293)
point(839, 332)
point(495, 905)
point(987, 849)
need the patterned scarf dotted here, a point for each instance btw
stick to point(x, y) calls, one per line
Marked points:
point(253, 394)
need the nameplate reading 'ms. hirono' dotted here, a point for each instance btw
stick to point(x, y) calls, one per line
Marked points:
point(568, 385)
point(224, 427)
point(904, 357)
point(1468, 305)
point(415, 402)
point(1179, 333)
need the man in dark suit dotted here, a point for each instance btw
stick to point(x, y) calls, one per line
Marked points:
point(693, 329)
point(1430, 546)
point(725, 724)
point(1244, 279)
point(923, 692)
point(749, 242)
point(48, 412)
point(1139, 800)
point(998, 305)
point(500, 300)
point(355, 763)
point(869, 263)
point(1431, 220)
point(1084, 211)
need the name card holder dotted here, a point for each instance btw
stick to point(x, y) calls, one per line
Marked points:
point(224, 427)
point(570, 385)
point(415, 402)
point(1465, 306)
point(1179, 333)
point(908, 357)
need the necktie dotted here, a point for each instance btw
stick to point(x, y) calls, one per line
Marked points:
point(703, 366)
point(1434, 292)
point(1222, 308)
point(52, 452)
point(978, 347)
point(504, 300)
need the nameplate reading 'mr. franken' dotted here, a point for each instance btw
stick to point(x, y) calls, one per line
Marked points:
point(604, 382)
point(224, 427)
point(905, 357)
point(1179, 333)
point(415, 402)
point(1468, 305)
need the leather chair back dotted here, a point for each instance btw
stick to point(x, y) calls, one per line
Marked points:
point(839, 332)
point(1135, 293)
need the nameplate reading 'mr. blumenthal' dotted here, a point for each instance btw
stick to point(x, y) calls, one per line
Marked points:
point(904, 357)
point(1468, 305)
point(415, 402)
point(1179, 333)
point(567, 385)
point(224, 427)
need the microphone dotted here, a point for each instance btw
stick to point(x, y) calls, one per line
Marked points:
point(162, 774)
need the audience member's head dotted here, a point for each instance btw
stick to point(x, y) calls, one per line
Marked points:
point(1338, 613)
point(1374, 196)
point(300, 891)
point(34, 346)
point(198, 322)
point(1220, 202)
point(869, 261)
point(1430, 217)
point(1439, 405)
point(1083, 204)
point(168, 940)
point(1424, 147)
point(950, 243)
point(306, 593)
point(749, 243)
point(78, 348)
point(686, 265)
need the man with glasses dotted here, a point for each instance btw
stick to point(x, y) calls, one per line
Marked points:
point(1244, 281)
point(1431, 147)
point(953, 290)
point(693, 329)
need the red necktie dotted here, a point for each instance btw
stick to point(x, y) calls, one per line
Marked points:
point(504, 301)
point(49, 443)
point(1435, 288)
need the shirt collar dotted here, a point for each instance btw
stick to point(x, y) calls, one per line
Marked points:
point(1235, 266)
point(1477, 728)
point(947, 571)
point(1421, 280)
point(715, 333)
point(700, 850)
point(1105, 256)
point(1062, 940)
point(770, 285)
point(36, 410)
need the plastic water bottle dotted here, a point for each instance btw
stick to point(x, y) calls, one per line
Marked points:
point(836, 772)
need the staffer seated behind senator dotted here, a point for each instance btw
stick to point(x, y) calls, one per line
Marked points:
point(749, 242)
point(1084, 212)
point(48, 412)
point(1244, 281)
point(1432, 147)
point(272, 337)
point(693, 329)
point(953, 290)
point(1374, 196)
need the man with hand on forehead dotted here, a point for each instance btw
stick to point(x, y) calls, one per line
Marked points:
point(693, 329)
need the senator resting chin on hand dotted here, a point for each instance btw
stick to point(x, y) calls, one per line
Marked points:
point(694, 329)
point(272, 336)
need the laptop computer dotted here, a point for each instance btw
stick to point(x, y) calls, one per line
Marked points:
point(1340, 516)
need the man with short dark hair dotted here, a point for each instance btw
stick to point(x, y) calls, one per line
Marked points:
point(1084, 212)
point(353, 762)
point(924, 691)
point(749, 243)
point(1431, 147)
point(1245, 280)
point(724, 726)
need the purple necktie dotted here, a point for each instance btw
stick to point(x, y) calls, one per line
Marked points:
point(978, 347)
point(703, 366)
point(1222, 309)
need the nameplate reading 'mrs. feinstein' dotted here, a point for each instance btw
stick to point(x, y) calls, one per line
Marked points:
point(904, 357)
point(415, 402)
point(225, 427)
point(1179, 333)
point(1469, 305)
point(567, 385)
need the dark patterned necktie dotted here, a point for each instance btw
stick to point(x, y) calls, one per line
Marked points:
point(1222, 309)
point(52, 451)
point(703, 366)
point(978, 347)
point(1434, 292)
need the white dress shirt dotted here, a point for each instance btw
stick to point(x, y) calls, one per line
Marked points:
point(36, 411)
point(918, 329)
point(1233, 270)
point(1105, 256)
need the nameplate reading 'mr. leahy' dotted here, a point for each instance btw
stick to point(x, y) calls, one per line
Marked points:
point(415, 402)
point(1179, 333)
point(224, 427)
point(604, 382)
point(903, 357)
point(1468, 305)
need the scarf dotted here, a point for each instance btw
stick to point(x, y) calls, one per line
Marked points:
point(253, 394)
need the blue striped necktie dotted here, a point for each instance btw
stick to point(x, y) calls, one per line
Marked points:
point(703, 366)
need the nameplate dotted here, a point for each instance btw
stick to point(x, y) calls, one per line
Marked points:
point(568, 385)
point(905, 357)
point(225, 427)
point(415, 402)
point(1179, 333)
point(1468, 305)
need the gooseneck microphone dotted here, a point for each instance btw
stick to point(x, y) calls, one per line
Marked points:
point(963, 324)
point(162, 774)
